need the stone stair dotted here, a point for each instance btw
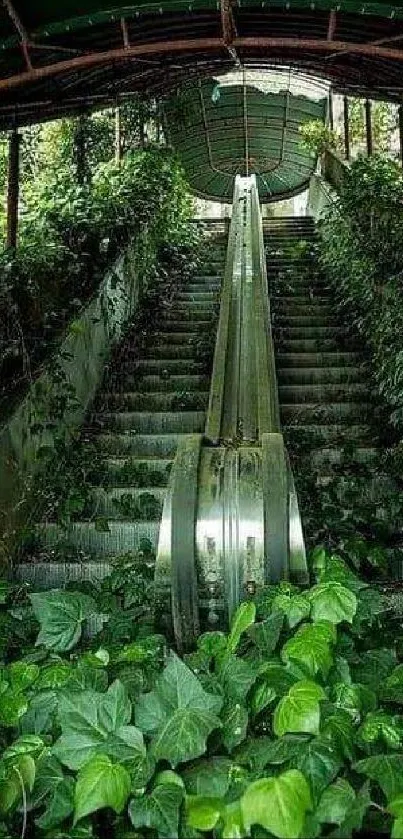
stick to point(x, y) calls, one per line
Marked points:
point(327, 409)
point(148, 400)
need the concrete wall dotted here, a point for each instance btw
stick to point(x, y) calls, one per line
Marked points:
point(58, 400)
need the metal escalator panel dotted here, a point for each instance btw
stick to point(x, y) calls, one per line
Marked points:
point(231, 520)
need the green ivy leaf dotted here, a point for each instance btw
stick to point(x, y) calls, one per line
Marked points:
point(233, 826)
point(335, 802)
point(234, 720)
point(296, 607)
point(278, 804)
point(339, 729)
point(203, 813)
point(392, 688)
point(209, 777)
point(61, 615)
point(261, 697)
point(299, 710)
point(386, 770)
point(13, 706)
point(319, 763)
point(277, 677)
point(355, 814)
point(100, 783)
point(266, 634)
point(179, 714)
point(395, 808)
point(94, 723)
point(243, 618)
point(374, 667)
point(237, 677)
point(332, 602)
point(310, 647)
point(158, 810)
point(22, 675)
point(60, 805)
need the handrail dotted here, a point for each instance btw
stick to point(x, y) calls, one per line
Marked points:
point(216, 397)
point(269, 410)
point(243, 403)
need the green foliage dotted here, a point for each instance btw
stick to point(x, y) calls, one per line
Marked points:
point(317, 137)
point(69, 233)
point(290, 723)
point(361, 252)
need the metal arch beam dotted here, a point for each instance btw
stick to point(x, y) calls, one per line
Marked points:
point(193, 45)
point(22, 32)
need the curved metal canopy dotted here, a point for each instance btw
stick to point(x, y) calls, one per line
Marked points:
point(60, 57)
point(221, 132)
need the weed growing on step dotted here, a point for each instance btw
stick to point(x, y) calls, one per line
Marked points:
point(289, 725)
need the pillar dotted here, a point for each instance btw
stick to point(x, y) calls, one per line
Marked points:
point(13, 188)
point(346, 129)
point(368, 127)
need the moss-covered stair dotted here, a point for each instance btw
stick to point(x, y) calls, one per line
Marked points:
point(329, 416)
point(155, 390)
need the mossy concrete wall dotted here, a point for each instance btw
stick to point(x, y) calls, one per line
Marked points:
point(57, 402)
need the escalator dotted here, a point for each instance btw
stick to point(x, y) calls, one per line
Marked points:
point(190, 464)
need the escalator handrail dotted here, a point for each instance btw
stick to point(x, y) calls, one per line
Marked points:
point(217, 387)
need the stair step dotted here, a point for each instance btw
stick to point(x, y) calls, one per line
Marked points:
point(162, 368)
point(322, 393)
point(302, 306)
point(316, 375)
point(150, 383)
point(167, 400)
point(332, 434)
point(327, 414)
point(189, 314)
point(187, 336)
point(46, 575)
point(191, 326)
point(204, 284)
point(131, 471)
point(307, 332)
point(121, 538)
point(141, 445)
point(325, 457)
point(198, 297)
point(171, 351)
point(316, 359)
point(127, 503)
point(150, 422)
point(320, 345)
point(285, 321)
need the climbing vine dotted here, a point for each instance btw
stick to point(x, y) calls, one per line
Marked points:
point(290, 723)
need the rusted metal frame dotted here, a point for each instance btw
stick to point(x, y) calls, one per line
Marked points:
point(331, 25)
point(13, 188)
point(22, 32)
point(368, 127)
point(391, 39)
point(401, 132)
point(198, 45)
point(207, 135)
point(125, 33)
point(228, 28)
point(346, 122)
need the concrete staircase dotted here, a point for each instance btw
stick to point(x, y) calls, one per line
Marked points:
point(327, 410)
point(149, 399)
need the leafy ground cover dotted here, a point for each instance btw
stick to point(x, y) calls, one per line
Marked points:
point(290, 725)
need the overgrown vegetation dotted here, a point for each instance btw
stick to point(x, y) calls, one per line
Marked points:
point(288, 726)
point(80, 205)
point(362, 254)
